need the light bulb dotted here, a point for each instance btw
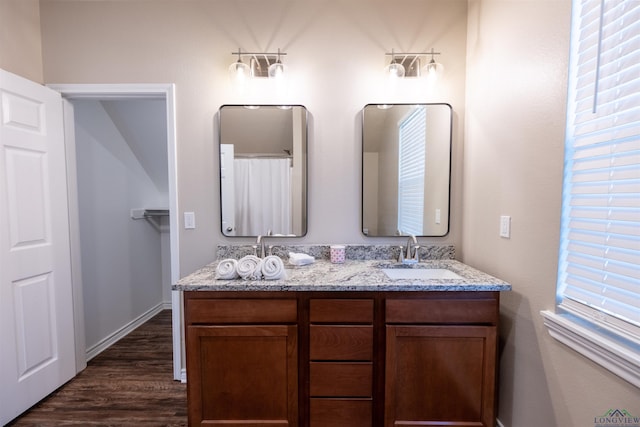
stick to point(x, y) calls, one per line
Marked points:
point(239, 71)
point(276, 70)
point(433, 69)
point(395, 70)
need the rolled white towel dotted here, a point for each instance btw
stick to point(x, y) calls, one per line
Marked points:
point(227, 269)
point(250, 268)
point(300, 259)
point(273, 268)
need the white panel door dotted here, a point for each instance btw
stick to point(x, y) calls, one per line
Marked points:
point(37, 352)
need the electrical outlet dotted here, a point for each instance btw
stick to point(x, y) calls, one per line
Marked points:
point(505, 226)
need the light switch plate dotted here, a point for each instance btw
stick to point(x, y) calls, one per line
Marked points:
point(189, 220)
point(438, 216)
point(505, 226)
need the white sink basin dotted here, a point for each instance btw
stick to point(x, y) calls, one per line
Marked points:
point(420, 273)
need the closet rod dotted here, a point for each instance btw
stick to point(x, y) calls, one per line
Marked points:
point(156, 212)
point(261, 156)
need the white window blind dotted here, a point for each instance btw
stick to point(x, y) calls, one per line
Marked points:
point(599, 265)
point(411, 164)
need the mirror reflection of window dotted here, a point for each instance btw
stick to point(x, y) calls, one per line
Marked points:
point(411, 172)
point(406, 169)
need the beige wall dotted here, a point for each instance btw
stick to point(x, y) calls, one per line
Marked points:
point(370, 163)
point(20, 47)
point(437, 171)
point(513, 160)
point(388, 176)
point(335, 57)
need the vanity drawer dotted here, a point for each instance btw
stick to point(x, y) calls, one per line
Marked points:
point(238, 311)
point(340, 379)
point(341, 342)
point(467, 311)
point(341, 310)
point(340, 413)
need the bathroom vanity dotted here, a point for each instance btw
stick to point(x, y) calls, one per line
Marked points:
point(343, 345)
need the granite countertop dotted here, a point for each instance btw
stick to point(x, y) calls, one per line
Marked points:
point(353, 275)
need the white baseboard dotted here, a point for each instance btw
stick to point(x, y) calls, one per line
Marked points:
point(498, 423)
point(116, 336)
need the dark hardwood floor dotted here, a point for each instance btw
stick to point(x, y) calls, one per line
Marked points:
point(129, 384)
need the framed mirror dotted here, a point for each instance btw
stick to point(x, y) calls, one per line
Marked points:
point(263, 170)
point(406, 169)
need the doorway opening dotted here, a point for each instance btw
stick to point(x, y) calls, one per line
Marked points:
point(121, 152)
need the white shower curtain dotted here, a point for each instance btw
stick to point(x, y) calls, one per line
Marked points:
point(263, 196)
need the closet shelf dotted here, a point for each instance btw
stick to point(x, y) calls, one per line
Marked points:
point(153, 216)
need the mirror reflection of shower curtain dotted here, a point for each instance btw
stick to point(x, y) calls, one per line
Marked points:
point(263, 196)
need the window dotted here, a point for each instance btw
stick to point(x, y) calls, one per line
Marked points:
point(411, 164)
point(598, 289)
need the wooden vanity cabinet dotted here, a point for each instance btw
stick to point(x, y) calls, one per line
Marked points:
point(242, 361)
point(440, 362)
point(340, 362)
point(341, 359)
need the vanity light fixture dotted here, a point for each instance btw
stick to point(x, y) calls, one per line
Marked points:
point(261, 64)
point(409, 64)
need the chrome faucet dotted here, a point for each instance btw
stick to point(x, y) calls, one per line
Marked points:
point(410, 257)
point(259, 244)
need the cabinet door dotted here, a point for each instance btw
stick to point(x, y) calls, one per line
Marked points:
point(242, 375)
point(440, 375)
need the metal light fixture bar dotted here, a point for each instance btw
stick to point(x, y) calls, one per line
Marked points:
point(412, 53)
point(410, 63)
point(263, 64)
point(240, 53)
